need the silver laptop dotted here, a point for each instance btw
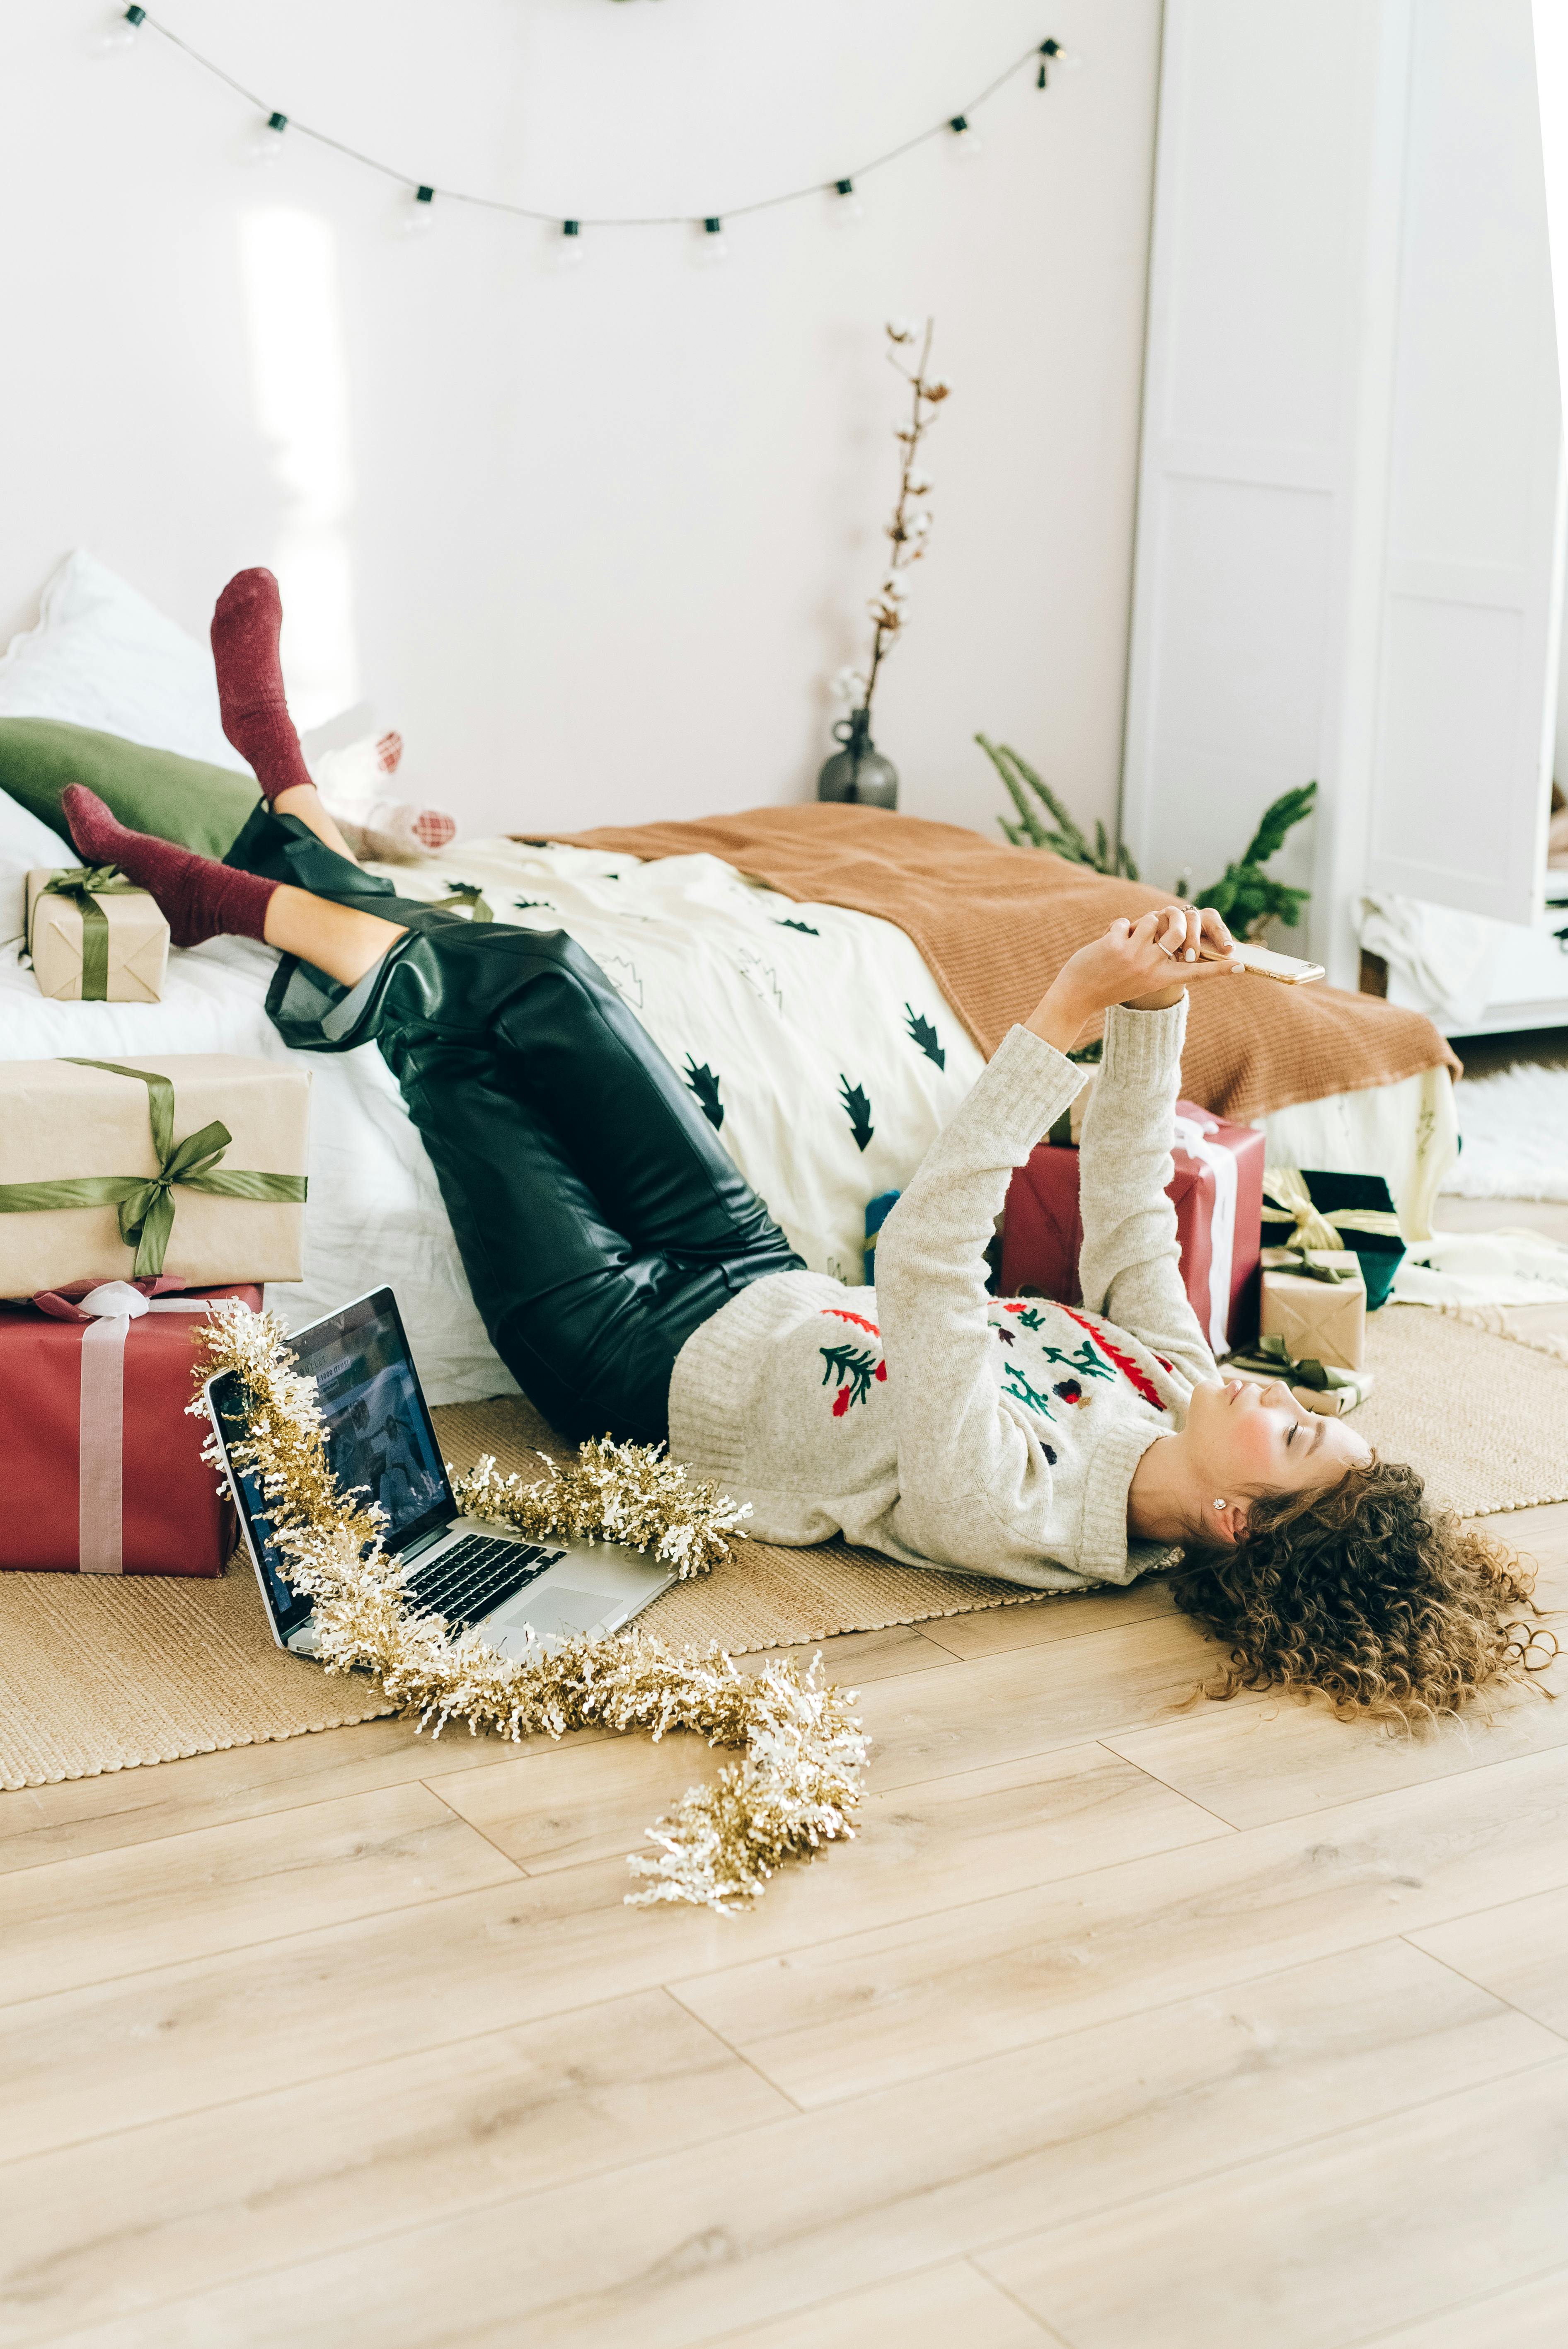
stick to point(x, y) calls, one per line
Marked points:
point(524, 1596)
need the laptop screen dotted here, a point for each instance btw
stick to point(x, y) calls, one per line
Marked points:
point(378, 1435)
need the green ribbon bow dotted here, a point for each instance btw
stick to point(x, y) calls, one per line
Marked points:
point(146, 1202)
point(84, 884)
point(463, 893)
point(1271, 1353)
point(1301, 1262)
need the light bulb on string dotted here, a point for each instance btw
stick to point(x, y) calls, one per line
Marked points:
point(266, 144)
point(845, 204)
point(419, 218)
point(967, 145)
point(713, 250)
point(567, 254)
point(1052, 52)
point(119, 35)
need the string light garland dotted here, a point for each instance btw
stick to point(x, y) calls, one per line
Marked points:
point(122, 32)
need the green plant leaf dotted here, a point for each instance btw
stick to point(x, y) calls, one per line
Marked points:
point(1066, 840)
point(1248, 896)
point(1277, 820)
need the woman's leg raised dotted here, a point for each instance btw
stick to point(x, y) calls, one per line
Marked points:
point(247, 623)
point(652, 1158)
point(587, 1324)
point(341, 940)
point(596, 1238)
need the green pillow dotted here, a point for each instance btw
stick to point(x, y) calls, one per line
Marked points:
point(181, 800)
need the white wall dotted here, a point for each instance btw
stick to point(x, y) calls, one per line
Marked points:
point(597, 541)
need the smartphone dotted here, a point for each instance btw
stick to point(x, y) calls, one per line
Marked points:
point(1265, 964)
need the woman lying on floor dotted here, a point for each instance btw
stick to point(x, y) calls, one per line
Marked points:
point(632, 1280)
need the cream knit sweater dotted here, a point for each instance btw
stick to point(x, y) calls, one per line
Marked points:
point(946, 1427)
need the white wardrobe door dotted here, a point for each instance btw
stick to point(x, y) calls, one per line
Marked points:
point(1269, 127)
point(1467, 661)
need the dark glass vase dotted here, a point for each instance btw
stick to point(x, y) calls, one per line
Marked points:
point(857, 772)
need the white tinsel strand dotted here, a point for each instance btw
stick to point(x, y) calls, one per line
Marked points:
point(799, 1783)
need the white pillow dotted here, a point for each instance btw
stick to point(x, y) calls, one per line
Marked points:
point(102, 656)
point(25, 843)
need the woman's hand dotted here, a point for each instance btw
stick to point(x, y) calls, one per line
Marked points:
point(1146, 965)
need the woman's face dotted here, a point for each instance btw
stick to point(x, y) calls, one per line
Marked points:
point(1247, 1440)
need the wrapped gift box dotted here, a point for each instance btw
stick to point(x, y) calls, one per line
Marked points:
point(94, 938)
point(1359, 1209)
point(104, 1472)
point(199, 1174)
point(1216, 1191)
point(1316, 1320)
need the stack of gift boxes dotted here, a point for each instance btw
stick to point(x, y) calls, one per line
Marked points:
point(133, 1192)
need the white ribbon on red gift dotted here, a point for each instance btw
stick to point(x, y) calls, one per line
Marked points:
point(107, 1312)
point(1193, 1138)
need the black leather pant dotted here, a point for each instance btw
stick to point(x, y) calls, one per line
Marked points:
point(599, 1216)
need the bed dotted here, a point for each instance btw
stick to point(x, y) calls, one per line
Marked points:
point(814, 1036)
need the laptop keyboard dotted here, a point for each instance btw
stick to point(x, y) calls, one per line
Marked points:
point(476, 1575)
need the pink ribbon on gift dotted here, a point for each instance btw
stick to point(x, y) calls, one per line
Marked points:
point(107, 1308)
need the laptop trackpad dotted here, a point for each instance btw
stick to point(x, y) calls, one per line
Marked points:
point(557, 1609)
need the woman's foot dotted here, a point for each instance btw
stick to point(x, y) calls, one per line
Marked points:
point(246, 624)
point(197, 897)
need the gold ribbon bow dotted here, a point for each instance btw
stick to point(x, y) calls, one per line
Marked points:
point(146, 1202)
point(1317, 1227)
point(84, 884)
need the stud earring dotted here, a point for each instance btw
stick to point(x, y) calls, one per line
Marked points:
point(1219, 1505)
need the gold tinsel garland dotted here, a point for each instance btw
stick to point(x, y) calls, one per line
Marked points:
point(799, 1782)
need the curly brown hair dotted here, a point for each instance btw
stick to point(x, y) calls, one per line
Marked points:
point(1365, 1593)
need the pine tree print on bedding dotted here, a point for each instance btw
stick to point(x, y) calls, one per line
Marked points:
point(858, 1109)
point(923, 1034)
point(702, 1081)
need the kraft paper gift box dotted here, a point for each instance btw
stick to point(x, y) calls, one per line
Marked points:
point(104, 1473)
point(1341, 1211)
point(1216, 1190)
point(94, 937)
point(186, 1164)
point(1322, 1320)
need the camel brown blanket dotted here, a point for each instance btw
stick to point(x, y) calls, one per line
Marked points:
point(996, 924)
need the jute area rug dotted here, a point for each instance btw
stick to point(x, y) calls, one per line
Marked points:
point(97, 1673)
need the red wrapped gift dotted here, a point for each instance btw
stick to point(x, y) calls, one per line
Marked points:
point(104, 1473)
point(1217, 1192)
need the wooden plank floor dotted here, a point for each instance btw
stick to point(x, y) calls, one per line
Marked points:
point(1127, 2023)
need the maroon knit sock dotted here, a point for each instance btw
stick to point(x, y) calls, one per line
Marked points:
point(245, 625)
point(197, 897)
